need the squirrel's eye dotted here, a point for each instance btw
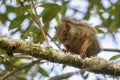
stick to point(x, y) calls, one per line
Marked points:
point(65, 34)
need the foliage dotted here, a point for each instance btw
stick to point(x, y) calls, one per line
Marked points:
point(24, 13)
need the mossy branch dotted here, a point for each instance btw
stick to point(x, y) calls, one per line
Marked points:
point(93, 64)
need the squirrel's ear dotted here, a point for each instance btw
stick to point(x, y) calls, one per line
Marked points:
point(67, 25)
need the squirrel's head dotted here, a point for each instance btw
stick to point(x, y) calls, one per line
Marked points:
point(62, 31)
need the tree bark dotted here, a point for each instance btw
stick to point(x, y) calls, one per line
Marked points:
point(93, 64)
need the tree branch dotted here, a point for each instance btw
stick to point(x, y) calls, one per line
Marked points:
point(63, 76)
point(19, 69)
point(113, 50)
point(93, 64)
point(39, 23)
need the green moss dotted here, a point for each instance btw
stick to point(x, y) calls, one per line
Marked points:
point(48, 51)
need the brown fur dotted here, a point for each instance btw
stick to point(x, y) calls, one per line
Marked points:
point(78, 37)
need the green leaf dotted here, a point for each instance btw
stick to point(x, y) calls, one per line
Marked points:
point(33, 32)
point(48, 5)
point(49, 12)
point(3, 18)
point(10, 9)
point(98, 29)
point(2, 51)
point(18, 10)
point(86, 76)
point(43, 72)
point(8, 65)
point(18, 62)
point(63, 8)
point(115, 57)
point(18, 29)
point(21, 10)
point(88, 13)
point(17, 21)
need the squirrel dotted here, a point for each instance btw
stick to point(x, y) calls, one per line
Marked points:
point(78, 37)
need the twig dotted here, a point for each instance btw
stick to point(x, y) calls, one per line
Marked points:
point(63, 76)
point(23, 57)
point(52, 39)
point(9, 62)
point(39, 23)
point(45, 31)
point(20, 56)
point(19, 69)
point(113, 50)
point(76, 10)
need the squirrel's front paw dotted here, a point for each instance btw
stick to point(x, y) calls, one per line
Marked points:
point(64, 50)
